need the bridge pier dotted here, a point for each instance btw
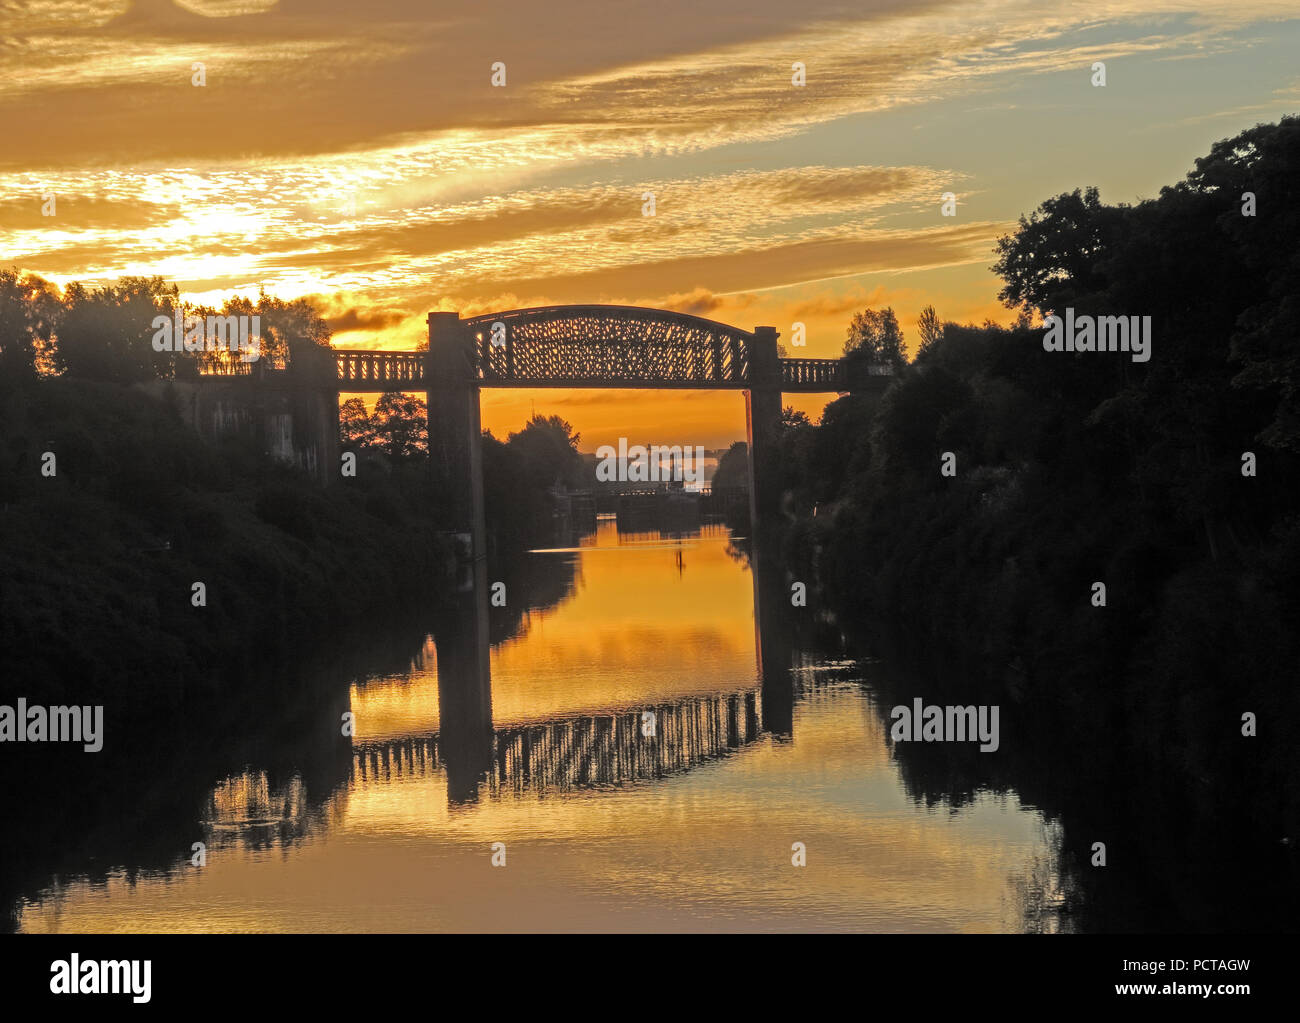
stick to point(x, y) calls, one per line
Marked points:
point(316, 409)
point(462, 641)
point(293, 413)
point(455, 430)
point(763, 436)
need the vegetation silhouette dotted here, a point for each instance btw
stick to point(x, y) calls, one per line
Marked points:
point(102, 547)
point(1079, 467)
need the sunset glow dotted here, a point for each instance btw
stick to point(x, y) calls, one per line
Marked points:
point(362, 156)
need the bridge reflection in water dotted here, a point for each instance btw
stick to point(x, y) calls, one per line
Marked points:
point(556, 751)
point(585, 752)
point(608, 748)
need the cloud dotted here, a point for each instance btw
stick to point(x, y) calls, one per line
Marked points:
point(840, 304)
point(832, 255)
point(480, 198)
point(362, 319)
point(702, 302)
point(225, 8)
point(327, 76)
point(74, 212)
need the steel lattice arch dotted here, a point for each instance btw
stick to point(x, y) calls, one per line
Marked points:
point(609, 346)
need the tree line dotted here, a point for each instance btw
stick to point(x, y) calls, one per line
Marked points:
point(106, 332)
point(1173, 483)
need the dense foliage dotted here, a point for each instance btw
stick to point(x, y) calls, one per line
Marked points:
point(1076, 468)
point(98, 560)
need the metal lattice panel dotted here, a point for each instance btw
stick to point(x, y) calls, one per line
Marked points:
point(608, 346)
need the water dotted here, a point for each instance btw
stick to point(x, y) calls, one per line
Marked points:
point(601, 828)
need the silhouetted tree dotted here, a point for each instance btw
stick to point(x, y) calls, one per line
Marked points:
point(355, 426)
point(29, 313)
point(929, 329)
point(875, 334)
point(106, 333)
point(732, 472)
point(548, 447)
point(1261, 161)
point(1054, 258)
point(285, 325)
point(400, 424)
point(794, 419)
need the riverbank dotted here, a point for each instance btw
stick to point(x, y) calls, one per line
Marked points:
point(141, 565)
point(1156, 715)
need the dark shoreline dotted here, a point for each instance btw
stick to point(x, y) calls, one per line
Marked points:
point(82, 815)
point(1174, 842)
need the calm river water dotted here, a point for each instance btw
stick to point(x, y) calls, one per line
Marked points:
point(599, 825)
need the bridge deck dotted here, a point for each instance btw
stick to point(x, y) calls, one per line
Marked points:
point(373, 370)
point(601, 346)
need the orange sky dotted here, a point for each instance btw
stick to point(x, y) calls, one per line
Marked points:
point(359, 153)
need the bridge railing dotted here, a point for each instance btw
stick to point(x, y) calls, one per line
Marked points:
point(588, 751)
point(680, 358)
point(224, 369)
point(813, 372)
point(374, 369)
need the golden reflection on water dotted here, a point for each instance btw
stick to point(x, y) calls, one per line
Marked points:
point(704, 847)
point(649, 621)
